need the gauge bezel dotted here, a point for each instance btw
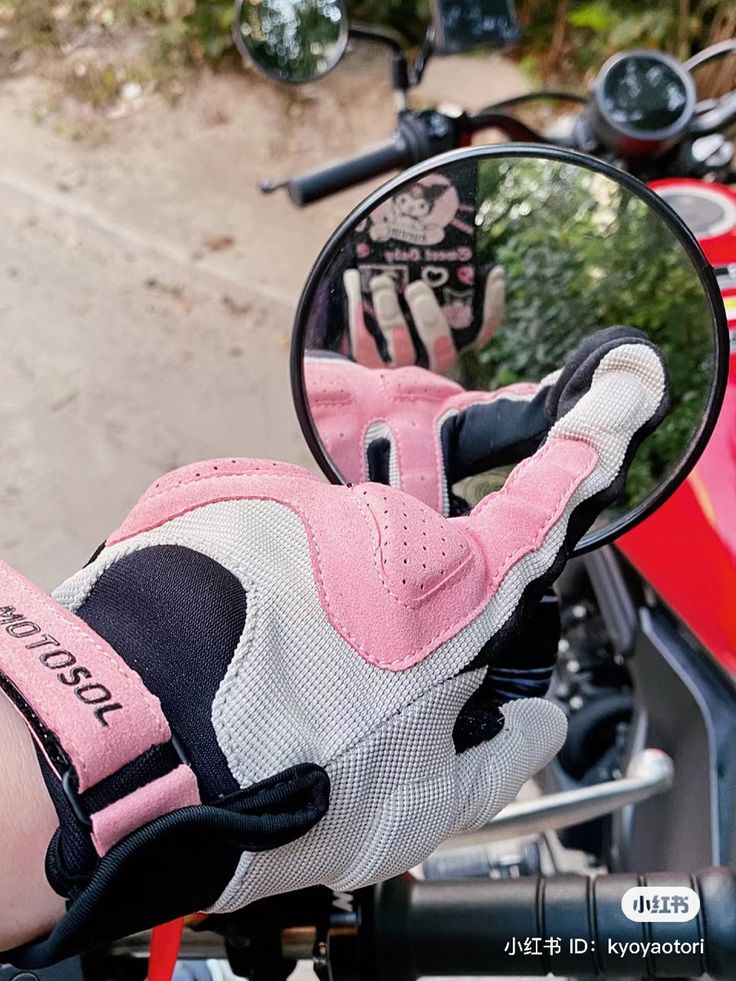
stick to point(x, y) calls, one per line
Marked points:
point(667, 133)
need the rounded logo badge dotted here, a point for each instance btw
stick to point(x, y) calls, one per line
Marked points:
point(660, 904)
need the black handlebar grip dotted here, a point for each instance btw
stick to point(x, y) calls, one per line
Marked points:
point(561, 925)
point(395, 154)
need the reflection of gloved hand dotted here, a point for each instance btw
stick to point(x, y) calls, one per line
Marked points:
point(418, 431)
point(433, 324)
point(259, 659)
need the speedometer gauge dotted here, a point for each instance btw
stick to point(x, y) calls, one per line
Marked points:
point(643, 102)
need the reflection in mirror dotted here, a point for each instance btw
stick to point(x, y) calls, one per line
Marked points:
point(438, 323)
point(292, 40)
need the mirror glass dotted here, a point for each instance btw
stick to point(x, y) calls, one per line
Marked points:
point(483, 272)
point(292, 40)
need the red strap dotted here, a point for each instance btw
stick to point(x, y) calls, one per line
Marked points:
point(165, 944)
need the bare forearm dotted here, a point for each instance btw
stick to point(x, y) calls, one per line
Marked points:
point(27, 822)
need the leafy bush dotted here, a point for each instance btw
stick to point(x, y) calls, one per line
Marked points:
point(582, 253)
point(570, 38)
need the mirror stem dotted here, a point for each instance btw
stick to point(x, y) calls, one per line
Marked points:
point(400, 80)
point(420, 62)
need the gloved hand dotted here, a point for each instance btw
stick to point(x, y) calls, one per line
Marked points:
point(418, 431)
point(419, 247)
point(437, 327)
point(263, 681)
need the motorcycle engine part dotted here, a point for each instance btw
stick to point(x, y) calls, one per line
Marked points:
point(591, 731)
point(464, 284)
point(643, 102)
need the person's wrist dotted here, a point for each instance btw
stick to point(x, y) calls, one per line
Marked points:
point(28, 820)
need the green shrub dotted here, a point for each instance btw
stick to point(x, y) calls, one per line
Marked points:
point(582, 253)
point(573, 37)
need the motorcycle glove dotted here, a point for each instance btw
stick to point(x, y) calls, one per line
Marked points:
point(390, 341)
point(413, 429)
point(263, 681)
point(421, 432)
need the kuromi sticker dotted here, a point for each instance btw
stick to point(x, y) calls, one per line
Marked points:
point(425, 232)
point(418, 214)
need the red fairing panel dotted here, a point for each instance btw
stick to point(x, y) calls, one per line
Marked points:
point(687, 549)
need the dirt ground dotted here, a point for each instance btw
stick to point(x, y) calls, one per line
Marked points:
point(147, 288)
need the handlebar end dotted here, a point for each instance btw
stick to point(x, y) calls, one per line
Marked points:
point(269, 186)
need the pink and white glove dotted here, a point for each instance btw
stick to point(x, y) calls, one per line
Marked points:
point(421, 432)
point(263, 681)
point(416, 430)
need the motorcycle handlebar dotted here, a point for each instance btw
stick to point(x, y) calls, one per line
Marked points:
point(720, 117)
point(394, 154)
point(422, 135)
point(567, 925)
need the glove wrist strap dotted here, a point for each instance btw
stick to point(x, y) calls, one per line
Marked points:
point(102, 732)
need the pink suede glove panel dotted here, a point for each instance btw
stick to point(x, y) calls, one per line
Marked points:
point(419, 577)
point(346, 399)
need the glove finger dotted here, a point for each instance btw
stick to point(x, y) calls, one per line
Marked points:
point(431, 325)
point(494, 306)
point(362, 345)
point(490, 775)
point(502, 429)
point(391, 322)
point(573, 380)
point(528, 527)
point(512, 426)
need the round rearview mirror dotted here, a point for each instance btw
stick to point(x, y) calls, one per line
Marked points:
point(461, 287)
point(291, 40)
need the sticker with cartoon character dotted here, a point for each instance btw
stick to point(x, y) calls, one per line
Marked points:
point(425, 231)
point(418, 214)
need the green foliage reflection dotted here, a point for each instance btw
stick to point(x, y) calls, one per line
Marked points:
point(295, 40)
point(580, 252)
